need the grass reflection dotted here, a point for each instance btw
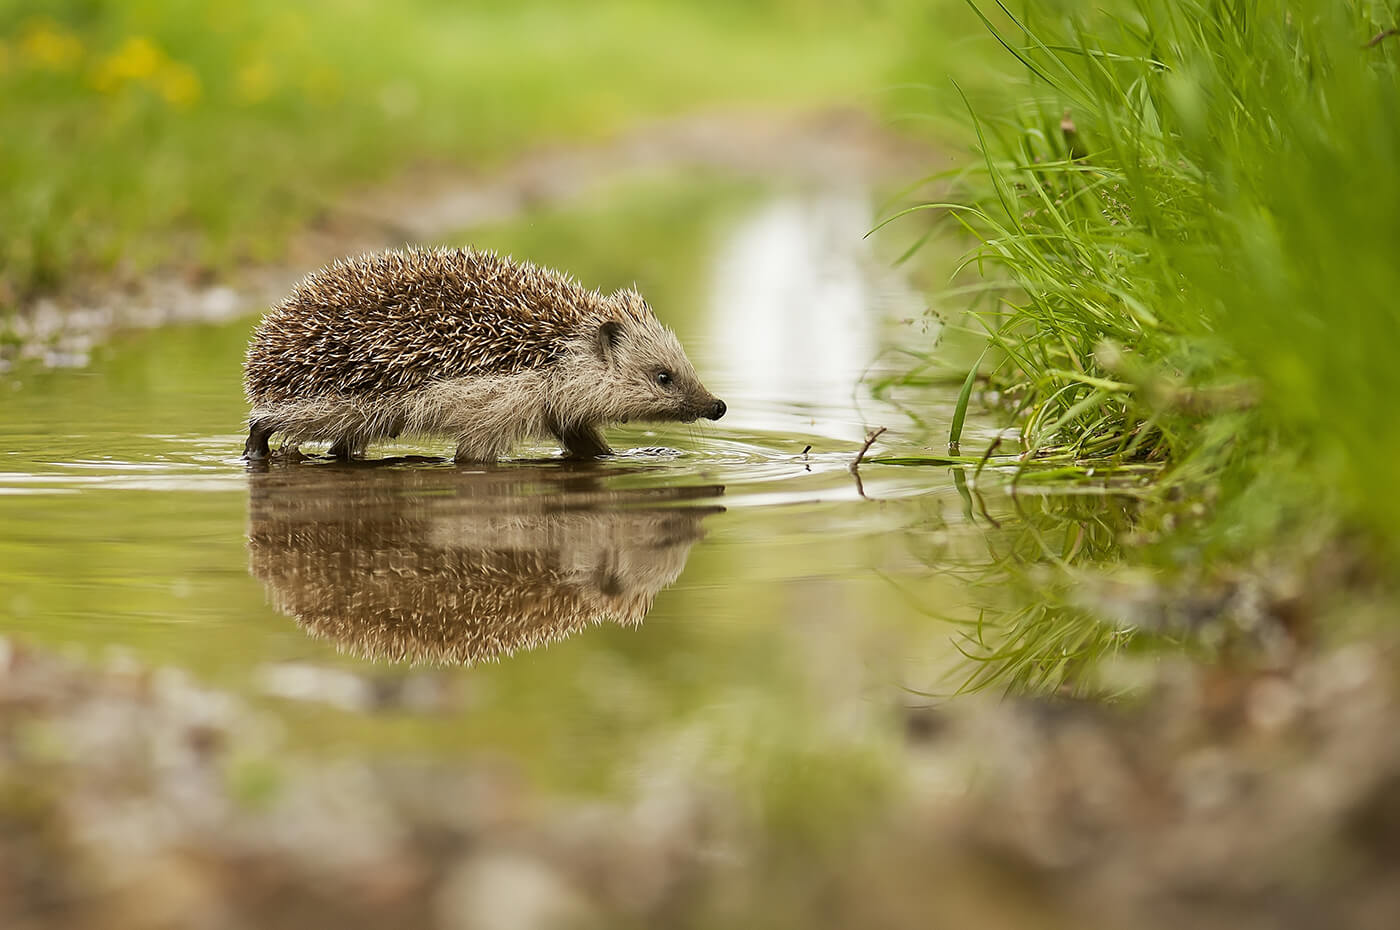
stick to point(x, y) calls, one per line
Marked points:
point(1028, 628)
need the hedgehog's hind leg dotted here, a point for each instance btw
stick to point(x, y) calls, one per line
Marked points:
point(583, 442)
point(474, 449)
point(347, 447)
point(260, 429)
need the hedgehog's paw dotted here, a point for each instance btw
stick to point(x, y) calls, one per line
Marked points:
point(259, 431)
point(584, 442)
point(345, 448)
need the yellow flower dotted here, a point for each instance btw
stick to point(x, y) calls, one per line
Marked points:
point(179, 84)
point(50, 46)
point(255, 82)
point(137, 59)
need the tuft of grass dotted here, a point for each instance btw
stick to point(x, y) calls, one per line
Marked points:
point(1185, 211)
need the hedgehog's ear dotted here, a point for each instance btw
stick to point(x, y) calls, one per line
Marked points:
point(609, 335)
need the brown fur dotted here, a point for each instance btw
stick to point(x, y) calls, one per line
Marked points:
point(461, 343)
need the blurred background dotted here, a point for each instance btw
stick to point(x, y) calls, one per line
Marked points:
point(1097, 632)
point(196, 135)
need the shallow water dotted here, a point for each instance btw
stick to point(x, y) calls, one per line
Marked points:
point(730, 591)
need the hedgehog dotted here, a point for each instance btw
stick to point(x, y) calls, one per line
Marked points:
point(466, 344)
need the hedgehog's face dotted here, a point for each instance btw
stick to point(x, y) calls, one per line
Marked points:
point(655, 379)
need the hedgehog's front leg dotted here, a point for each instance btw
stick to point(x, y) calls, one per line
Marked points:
point(583, 442)
point(259, 431)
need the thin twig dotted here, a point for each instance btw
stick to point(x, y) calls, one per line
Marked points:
point(860, 485)
point(1381, 37)
point(870, 438)
point(987, 456)
point(982, 506)
point(854, 467)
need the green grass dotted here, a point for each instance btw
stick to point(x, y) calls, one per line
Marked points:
point(1186, 272)
point(1187, 224)
point(197, 135)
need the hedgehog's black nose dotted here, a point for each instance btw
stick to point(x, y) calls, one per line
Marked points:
point(717, 410)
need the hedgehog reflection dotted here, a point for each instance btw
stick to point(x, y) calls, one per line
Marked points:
point(432, 565)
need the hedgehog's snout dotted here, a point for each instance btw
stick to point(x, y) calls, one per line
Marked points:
point(717, 410)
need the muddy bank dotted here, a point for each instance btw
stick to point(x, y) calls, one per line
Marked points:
point(130, 797)
point(440, 200)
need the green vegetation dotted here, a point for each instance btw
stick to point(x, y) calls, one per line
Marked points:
point(1186, 291)
point(1186, 214)
point(188, 136)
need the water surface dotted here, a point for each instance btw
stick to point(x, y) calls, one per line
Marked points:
point(726, 592)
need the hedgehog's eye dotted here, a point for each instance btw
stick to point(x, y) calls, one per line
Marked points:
point(663, 378)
